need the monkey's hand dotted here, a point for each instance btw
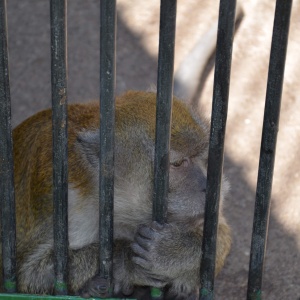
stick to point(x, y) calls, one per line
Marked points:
point(167, 250)
point(173, 251)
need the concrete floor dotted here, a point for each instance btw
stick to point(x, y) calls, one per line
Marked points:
point(29, 50)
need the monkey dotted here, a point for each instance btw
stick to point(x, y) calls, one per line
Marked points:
point(146, 253)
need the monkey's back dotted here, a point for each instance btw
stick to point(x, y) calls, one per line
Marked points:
point(32, 142)
point(135, 123)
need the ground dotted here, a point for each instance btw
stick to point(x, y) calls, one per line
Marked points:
point(29, 46)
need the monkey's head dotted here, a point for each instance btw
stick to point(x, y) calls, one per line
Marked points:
point(134, 156)
point(188, 163)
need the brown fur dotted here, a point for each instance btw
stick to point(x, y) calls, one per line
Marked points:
point(169, 255)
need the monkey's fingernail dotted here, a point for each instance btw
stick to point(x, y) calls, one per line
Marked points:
point(156, 225)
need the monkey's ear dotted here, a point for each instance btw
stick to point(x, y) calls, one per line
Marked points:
point(89, 146)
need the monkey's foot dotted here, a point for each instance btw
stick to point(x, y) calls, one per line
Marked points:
point(172, 294)
point(123, 288)
point(95, 287)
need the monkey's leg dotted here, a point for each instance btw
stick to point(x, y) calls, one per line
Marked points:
point(83, 268)
point(98, 287)
point(126, 273)
point(36, 269)
point(36, 272)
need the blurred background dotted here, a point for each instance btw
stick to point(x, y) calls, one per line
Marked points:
point(137, 45)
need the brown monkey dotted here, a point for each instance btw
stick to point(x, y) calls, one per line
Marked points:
point(146, 253)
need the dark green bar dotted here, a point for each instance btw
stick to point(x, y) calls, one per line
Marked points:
point(164, 108)
point(107, 124)
point(216, 145)
point(268, 147)
point(60, 142)
point(36, 297)
point(163, 114)
point(7, 194)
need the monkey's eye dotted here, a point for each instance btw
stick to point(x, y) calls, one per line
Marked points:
point(183, 162)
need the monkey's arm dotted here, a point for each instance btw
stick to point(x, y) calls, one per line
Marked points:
point(36, 268)
point(168, 249)
point(174, 251)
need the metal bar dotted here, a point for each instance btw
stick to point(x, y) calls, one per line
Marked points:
point(164, 108)
point(163, 114)
point(58, 10)
point(268, 147)
point(107, 125)
point(216, 145)
point(7, 193)
point(46, 297)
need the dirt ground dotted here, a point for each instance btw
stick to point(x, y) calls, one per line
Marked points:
point(29, 46)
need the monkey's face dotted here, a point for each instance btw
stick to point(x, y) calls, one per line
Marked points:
point(188, 163)
point(187, 188)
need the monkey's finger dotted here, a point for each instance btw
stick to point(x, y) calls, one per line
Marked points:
point(95, 287)
point(143, 242)
point(127, 289)
point(158, 280)
point(141, 262)
point(146, 232)
point(140, 251)
point(173, 294)
point(157, 226)
point(157, 283)
point(154, 280)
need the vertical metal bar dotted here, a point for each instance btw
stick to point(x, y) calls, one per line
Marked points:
point(268, 147)
point(164, 108)
point(216, 145)
point(164, 102)
point(7, 194)
point(107, 125)
point(58, 10)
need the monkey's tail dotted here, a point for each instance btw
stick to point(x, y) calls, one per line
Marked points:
point(188, 75)
point(189, 72)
